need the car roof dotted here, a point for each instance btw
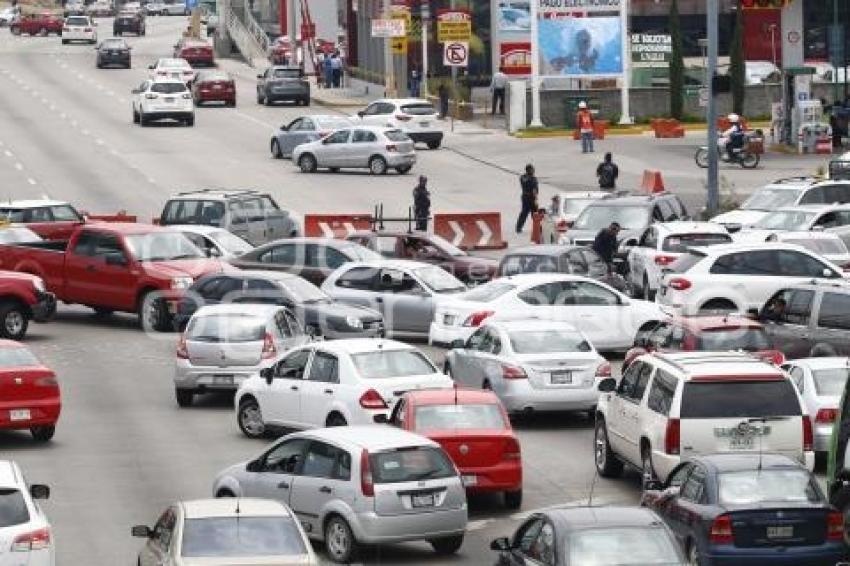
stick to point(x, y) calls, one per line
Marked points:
point(227, 507)
point(826, 362)
point(363, 345)
point(806, 235)
point(578, 518)
point(251, 309)
point(259, 274)
point(458, 395)
point(742, 462)
point(810, 208)
point(687, 227)
point(716, 322)
point(172, 59)
point(405, 101)
point(127, 228)
point(722, 366)
point(194, 228)
point(218, 194)
point(31, 203)
point(721, 249)
point(529, 324)
point(166, 80)
point(564, 195)
point(400, 264)
point(792, 183)
point(372, 437)
point(544, 249)
point(10, 475)
point(535, 278)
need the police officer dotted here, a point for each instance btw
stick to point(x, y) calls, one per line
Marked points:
point(421, 203)
point(528, 199)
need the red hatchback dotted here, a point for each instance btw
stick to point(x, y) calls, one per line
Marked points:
point(29, 392)
point(474, 429)
point(198, 53)
point(214, 86)
point(714, 333)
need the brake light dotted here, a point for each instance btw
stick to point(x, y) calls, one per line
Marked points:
point(672, 437)
point(777, 357)
point(679, 284)
point(476, 318)
point(403, 117)
point(392, 147)
point(269, 350)
point(835, 526)
point(371, 399)
point(47, 381)
point(511, 451)
point(182, 348)
point(367, 486)
point(35, 540)
point(562, 225)
point(664, 259)
point(826, 416)
point(604, 370)
point(513, 372)
point(721, 531)
point(808, 434)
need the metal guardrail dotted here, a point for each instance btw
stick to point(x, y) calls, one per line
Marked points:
point(248, 36)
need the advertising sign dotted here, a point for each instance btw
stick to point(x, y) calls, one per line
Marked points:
point(578, 6)
point(453, 25)
point(590, 46)
point(651, 48)
point(388, 28)
point(515, 57)
point(515, 15)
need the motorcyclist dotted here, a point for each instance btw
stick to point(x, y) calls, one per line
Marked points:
point(733, 137)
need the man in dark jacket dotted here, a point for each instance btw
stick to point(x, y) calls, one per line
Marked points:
point(421, 203)
point(605, 244)
point(528, 200)
point(607, 173)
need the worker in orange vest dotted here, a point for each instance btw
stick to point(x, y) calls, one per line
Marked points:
point(584, 122)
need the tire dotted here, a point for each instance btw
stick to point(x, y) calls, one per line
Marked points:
point(142, 120)
point(43, 32)
point(822, 351)
point(135, 116)
point(190, 121)
point(378, 165)
point(513, 499)
point(249, 417)
point(65, 42)
point(13, 321)
point(434, 144)
point(260, 98)
point(701, 158)
point(403, 170)
point(607, 464)
point(448, 545)
point(116, 32)
point(98, 65)
point(306, 102)
point(647, 470)
point(750, 160)
point(339, 540)
point(43, 433)
point(153, 313)
point(335, 419)
point(307, 163)
point(17, 31)
point(267, 101)
point(231, 104)
point(275, 149)
point(715, 306)
point(333, 169)
point(184, 397)
point(223, 493)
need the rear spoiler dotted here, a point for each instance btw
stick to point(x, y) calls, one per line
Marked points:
point(120, 216)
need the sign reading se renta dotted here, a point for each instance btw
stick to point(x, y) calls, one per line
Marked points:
point(388, 28)
point(651, 48)
point(453, 25)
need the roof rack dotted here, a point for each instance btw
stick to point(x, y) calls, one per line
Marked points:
point(798, 178)
point(682, 361)
point(225, 192)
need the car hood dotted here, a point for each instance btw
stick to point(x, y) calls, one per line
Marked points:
point(342, 310)
point(193, 268)
point(303, 560)
point(7, 275)
point(745, 218)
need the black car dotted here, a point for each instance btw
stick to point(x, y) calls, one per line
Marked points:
point(132, 22)
point(553, 258)
point(113, 52)
point(318, 314)
point(749, 509)
point(582, 536)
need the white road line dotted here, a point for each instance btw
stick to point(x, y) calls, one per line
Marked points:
point(255, 120)
point(8, 153)
point(19, 166)
point(31, 181)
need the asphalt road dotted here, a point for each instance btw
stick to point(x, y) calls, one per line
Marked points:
point(123, 450)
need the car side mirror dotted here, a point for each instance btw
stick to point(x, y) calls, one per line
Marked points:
point(284, 128)
point(135, 91)
point(607, 385)
point(151, 66)
point(115, 258)
point(267, 374)
point(361, 113)
point(732, 228)
point(828, 272)
point(39, 491)
point(653, 485)
point(457, 344)
point(381, 419)
point(254, 466)
point(500, 544)
point(142, 531)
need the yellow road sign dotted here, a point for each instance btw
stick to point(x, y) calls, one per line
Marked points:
point(399, 46)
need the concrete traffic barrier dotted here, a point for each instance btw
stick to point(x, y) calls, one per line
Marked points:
point(475, 230)
point(335, 225)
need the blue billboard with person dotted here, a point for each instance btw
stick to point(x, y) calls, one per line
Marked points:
point(581, 46)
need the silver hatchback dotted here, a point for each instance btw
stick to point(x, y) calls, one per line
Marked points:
point(371, 147)
point(354, 485)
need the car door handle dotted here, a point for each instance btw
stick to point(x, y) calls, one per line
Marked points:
point(329, 391)
point(283, 485)
point(325, 489)
point(294, 388)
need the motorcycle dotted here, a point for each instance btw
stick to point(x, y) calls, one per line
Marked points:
point(743, 156)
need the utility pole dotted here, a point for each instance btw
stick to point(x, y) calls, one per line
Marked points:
point(713, 201)
point(535, 66)
point(425, 16)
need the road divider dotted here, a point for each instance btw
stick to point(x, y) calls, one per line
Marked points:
point(335, 225)
point(652, 182)
point(476, 230)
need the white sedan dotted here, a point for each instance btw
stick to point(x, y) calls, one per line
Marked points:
point(213, 241)
point(820, 382)
point(79, 28)
point(608, 318)
point(334, 383)
point(25, 530)
point(365, 147)
point(160, 99)
point(169, 67)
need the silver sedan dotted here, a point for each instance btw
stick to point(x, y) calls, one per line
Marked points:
point(303, 130)
point(376, 148)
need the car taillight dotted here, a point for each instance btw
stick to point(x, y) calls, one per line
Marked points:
point(513, 372)
point(826, 416)
point(835, 526)
point(392, 147)
point(269, 350)
point(664, 259)
point(721, 531)
point(672, 437)
point(87, 30)
point(367, 486)
point(35, 540)
point(679, 284)
point(603, 370)
point(371, 399)
point(187, 95)
point(808, 434)
point(562, 225)
point(511, 451)
point(182, 349)
point(476, 318)
point(846, 267)
point(777, 357)
point(151, 95)
point(403, 117)
point(48, 381)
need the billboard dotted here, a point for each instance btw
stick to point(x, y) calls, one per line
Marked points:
point(515, 15)
point(591, 46)
point(515, 57)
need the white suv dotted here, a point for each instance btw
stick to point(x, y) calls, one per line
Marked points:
point(25, 531)
point(668, 407)
point(661, 244)
point(158, 99)
point(79, 28)
point(416, 117)
point(738, 277)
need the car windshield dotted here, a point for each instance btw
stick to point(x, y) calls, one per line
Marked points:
point(723, 339)
point(162, 246)
point(769, 198)
point(596, 217)
point(77, 21)
point(231, 242)
point(226, 328)
point(168, 88)
point(396, 136)
point(756, 486)
point(360, 253)
point(286, 73)
point(681, 242)
point(213, 76)
point(17, 357)
point(547, 341)
point(488, 292)
point(830, 382)
point(303, 291)
point(574, 206)
point(532, 263)
point(13, 508)
point(418, 109)
point(786, 220)
point(439, 280)
point(823, 246)
point(459, 416)
point(621, 546)
point(385, 364)
point(241, 536)
point(416, 463)
point(18, 234)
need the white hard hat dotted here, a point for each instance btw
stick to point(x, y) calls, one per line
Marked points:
point(734, 118)
point(582, 104)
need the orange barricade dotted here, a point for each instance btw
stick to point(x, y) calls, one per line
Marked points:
point(537, 226)
point(667, 128)
point(335, 225)
point(476, 230)
point(652, 182)
point(599, 129)
point(120, 216)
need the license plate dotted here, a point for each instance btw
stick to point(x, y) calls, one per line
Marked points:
point(175, 75)
point(169, 100)
point(562, 377)
point(423, 500)
point(20, 415)
point(448, 319)
point(746, 443)
point(217, 87)
point(424, 124)
point(113, 53)
point(469, 480)
point(780, 532)
point(223, 380)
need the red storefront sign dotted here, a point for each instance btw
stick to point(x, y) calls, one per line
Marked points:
point(515, 57)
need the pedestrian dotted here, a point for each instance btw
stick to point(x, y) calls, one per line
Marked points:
point(320, 68)
point(528, 199)
point(497, 88)
point(336, 68)
point(584, 122)
point(421, 203)
point(605, 244)
point(414, 82)
point(607, 173)
point(329, 72)
point(443, 93)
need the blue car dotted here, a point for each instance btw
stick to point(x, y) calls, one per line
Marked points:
point(749, 509)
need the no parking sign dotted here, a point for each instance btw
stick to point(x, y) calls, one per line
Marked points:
point(456, 53)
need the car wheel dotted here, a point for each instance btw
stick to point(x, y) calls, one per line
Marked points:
point(448, 545)
point(260, 99)
point(607, 463)
point(268, 101)
point(184, 397)
point(403, 170)
point(822, 351)
point(64, 42)
point(142, 120)
point(378, 165)
point(135, 116)
point(276, 153)
point(116, 32)
point(13, 321)
point(513, 499)
point(250, 419)
point(306, 102)
point(335, 419)
point(190, 121)
point(153, 312)
point(647, 471)
point(98, 65)
point(43, 433)
point(339, 540)
point(333, 169)
point(307, 163)
point(434, 144)
point(43, 32)
point(648, 293)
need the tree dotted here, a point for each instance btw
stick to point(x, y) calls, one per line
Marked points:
point(737, 72)
point(677, 65)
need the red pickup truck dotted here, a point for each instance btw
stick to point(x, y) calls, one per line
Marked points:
point(23, 297)
point(53, 219)
point(138, 268)
point(36, 24)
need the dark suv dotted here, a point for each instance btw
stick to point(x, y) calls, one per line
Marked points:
point(133, 22)
point(809, 320)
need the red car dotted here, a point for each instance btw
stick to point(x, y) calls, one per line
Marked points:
point(714, 333)
point(37, 24)
point(23, 298)
point(29, 392)
point(474, 429)
point(198, 53)
point(280, 51)
point(214, 86)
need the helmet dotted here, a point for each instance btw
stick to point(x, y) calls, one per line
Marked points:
point(582, 105)
point(733, 118)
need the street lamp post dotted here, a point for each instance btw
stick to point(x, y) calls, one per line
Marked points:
point(713, 197)
point(535, 66)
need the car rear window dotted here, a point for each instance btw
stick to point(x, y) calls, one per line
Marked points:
point(723, 339)
point(77, 21)
point(479, 416)
point(242, 536)
point(168, 88)
point(547, 341)
point(418, 109)
point(17, 357)
point(488, 292)
point(681, 242)
point(286, 73)
point(410, 464)
point(532, 263)
point(623, 546)
point(756, 486)
point(396, 136)
point(13, 508)
point(685, 262)
point(385, 364)
point(739, 399)
point(831, 381)
point(226, 328)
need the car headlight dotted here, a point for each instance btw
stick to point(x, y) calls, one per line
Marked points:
point(181, 282)
point(354, 322)
point(38, 283)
